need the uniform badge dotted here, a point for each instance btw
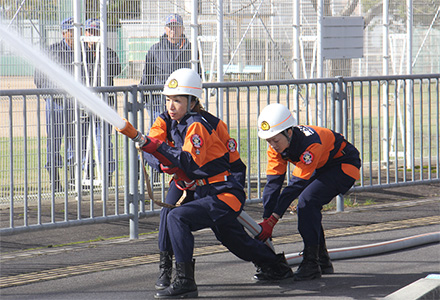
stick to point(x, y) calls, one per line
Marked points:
point(232, 145)
point(197, 142)
point(307, 158)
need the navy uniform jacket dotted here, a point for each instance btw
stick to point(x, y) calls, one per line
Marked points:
point(161, 130)
point(312, 150)
point(203, 156)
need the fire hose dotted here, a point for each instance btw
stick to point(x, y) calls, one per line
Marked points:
point(251, 226)
point(373, 249)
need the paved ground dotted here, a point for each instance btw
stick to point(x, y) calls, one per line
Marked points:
point(58, 264)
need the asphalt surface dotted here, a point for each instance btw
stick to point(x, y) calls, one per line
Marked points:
point(59, 264)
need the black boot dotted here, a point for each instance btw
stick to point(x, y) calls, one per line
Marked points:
point(183, 286)
point(55, 180)
point(278, 270)
point(309, 268)
point(165, 270)
point(324, 260)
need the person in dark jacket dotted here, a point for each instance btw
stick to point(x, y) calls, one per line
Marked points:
point(172, 52)
point(62, 53)
point(326, 165)
point(93, 29)
point(93, 67)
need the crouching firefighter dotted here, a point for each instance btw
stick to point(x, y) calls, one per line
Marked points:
point(218, 197)
point(326, 165)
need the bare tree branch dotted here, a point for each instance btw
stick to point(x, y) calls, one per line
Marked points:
point(373, 12)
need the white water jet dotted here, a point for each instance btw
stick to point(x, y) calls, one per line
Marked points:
point(42, 62)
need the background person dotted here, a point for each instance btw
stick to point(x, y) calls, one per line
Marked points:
point(93, 67)
point(62, 53)
point(172, 52)
point(326, 165)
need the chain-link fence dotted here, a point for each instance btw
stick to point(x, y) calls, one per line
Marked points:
point(259, 40)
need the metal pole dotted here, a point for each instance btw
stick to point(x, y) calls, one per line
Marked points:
point(339, 98)
point(296, 36)
point(296, 54)
point(104, 128)
point(220, 55)
point(133, 172)
point(385, 41)
point(410, 99)
point(385, 69)
point(77, 73)
point(194, 35)
point(320, 62)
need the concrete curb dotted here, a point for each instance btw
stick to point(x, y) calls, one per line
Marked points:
point(425, 288)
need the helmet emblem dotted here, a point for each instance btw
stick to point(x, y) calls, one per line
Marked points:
point(173, 84)
point(265, 126)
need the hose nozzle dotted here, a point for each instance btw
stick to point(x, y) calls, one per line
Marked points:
point(133, 134)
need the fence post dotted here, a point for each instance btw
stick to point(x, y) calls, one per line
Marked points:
point(132, 170)
point(339, 98)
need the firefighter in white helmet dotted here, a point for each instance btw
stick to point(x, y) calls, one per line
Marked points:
point(188, 143)
point(190, 85)
point(326, 165)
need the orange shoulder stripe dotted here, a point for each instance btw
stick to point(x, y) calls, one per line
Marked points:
point(198, 140)
point(159, 130)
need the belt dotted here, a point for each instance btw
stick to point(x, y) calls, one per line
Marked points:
point(341, 150)
point(214, 179)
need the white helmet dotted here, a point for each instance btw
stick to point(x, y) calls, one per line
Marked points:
point(273, 119)
point(183, 82)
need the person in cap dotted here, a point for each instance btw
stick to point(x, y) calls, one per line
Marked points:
point(326, 165)
point(92, 28)
point(172, 52)
point(62, 53)
point(92, 32)
point(199, 159)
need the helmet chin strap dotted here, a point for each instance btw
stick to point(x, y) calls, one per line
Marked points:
point(190, 98)
point(285, 133)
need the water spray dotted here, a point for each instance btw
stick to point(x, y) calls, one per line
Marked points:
point(62, 78)
point(95, 105)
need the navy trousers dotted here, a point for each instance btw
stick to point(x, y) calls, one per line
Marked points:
point(323, 188)
point(172, 197)
point(211, 212)
point(60, 122)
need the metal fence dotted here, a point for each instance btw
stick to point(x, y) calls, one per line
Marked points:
point(270, 40)
point(392, 120)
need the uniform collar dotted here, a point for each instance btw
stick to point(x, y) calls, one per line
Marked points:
point(291, 152)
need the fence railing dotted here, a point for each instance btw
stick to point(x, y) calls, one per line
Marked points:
point(392, 120)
